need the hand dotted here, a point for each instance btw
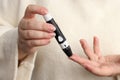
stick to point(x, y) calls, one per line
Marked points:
point(33, 33)
point(96, 63)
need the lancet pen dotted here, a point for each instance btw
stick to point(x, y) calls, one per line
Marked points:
point(59, 35)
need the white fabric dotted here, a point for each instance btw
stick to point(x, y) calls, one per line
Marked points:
point(26, 68)
point(77, 19)
point(8, 55)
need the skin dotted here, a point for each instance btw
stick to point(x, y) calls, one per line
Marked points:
point(96, 63)
point(33, 33)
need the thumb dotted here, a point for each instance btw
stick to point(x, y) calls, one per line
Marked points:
point(31, 10)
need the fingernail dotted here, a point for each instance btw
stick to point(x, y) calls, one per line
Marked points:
point(53, 34)
point(44, 10)
point(52, 27)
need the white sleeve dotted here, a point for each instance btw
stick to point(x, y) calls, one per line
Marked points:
point(9, 18)
point(26, 68)
point(8, 53)
point(9, 69)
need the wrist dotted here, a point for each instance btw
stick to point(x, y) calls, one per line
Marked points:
point(21, 54)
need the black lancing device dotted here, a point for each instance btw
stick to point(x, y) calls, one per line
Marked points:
point(59, 35)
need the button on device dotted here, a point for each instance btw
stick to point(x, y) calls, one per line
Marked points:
point(64, 45)
point(60, 39)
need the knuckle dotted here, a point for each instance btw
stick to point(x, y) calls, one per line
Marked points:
point(46, 35)
point(30, 43)
point(45, 26)
point(43, 34)
point(29, 6)
point(21, 24)
point(28, 34)
point(21, 33)
point(28, 24)
point(34, 43)
point(45, 42)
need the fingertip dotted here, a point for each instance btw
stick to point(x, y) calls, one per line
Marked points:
point(52, 27)
point(74, 57)
point(82, 40)
point(31, 10)
point(43, 10)
point(52, 35)
point(95, 38)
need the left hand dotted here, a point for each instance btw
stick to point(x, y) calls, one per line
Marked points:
point(96, 63)
point(33, 33)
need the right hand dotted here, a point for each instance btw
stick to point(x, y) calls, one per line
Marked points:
point(97, 63)
point(33, 33)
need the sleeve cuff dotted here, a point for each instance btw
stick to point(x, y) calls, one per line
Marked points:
point(26, 67)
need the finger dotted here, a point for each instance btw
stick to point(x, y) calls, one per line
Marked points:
point(87, 49)
point(33, 34)
point(96, 46)
point(34, 9)
point(88, 65)
point(35, 25)
point(79, 59)
point(36, 43)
